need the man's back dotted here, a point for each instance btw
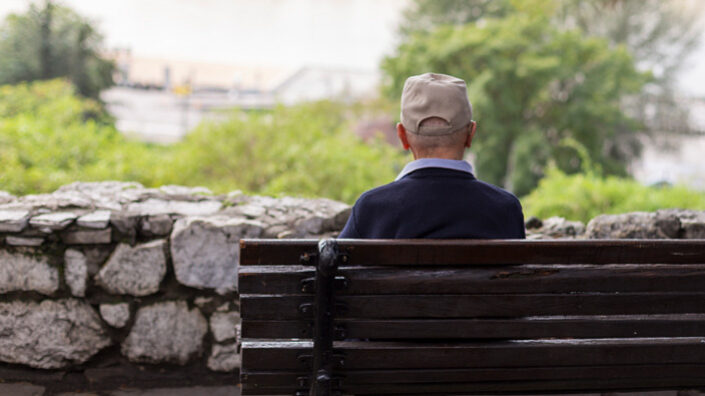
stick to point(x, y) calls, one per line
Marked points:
point(436, 203)
point(436, 195)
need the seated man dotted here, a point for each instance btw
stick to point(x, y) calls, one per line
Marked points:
point(436, 195)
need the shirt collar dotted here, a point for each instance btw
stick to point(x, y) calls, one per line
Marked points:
point(459, 165)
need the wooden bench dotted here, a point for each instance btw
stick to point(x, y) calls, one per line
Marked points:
point(468, 317)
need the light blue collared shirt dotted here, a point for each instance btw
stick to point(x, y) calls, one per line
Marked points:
point(459, 165)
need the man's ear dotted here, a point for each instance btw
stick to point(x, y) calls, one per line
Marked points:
point(401, 133)
point(473, 127)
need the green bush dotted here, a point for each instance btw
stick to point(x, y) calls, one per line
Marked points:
point(303, 150)
point(585, 195)
point(49, 136)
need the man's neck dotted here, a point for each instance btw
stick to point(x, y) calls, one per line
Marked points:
point(456, 157)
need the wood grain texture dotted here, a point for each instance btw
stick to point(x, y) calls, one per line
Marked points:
point(485, 280)
point(686, 325)
point(584, 378)
point(404, 252)
point(503, 387)
point(359, 355)
point(491, 316)
point(412, 376)
point(284, 307)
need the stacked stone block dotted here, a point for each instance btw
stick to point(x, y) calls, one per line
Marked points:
point(98, 279)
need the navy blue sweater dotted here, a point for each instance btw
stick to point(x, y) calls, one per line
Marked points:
point(436, 203)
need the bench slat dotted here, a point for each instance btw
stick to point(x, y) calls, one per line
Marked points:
point(275, 251)
point(486, 280)
point(684, 325)
point(592, 385)
point(282, 307)
point(284, 355)
point(486, 252)
point(289, 378)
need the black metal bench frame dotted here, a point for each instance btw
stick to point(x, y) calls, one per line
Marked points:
point(329, 257)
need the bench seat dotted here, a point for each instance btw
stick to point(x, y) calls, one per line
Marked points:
point(471, 317)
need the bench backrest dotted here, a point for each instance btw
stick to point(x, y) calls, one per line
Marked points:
point(431, 316)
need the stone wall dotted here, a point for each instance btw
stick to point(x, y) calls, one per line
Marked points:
point(662, 224)
point(112, 285)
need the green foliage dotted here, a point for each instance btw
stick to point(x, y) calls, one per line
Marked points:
point(53, 41)
point(50, 137)
point(583, 196)
point(425, 15)
point(47, 140)
point(304, 150)
point(660, 35)
point(532, 86)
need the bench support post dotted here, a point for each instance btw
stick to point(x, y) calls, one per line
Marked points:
point(324, 314)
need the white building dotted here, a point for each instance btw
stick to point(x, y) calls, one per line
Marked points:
point(316, 83)
point(160, 100)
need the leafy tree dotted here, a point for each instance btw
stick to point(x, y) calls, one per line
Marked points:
point(532, 86)
point(53, 41)
point(425, 15)
point(659, 34)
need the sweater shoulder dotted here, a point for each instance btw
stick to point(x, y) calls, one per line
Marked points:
point(500, 193)
point(377, 193)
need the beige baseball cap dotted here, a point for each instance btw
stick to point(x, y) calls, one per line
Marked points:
point(435, 95)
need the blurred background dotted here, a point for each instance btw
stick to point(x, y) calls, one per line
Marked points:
point(584, 106)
